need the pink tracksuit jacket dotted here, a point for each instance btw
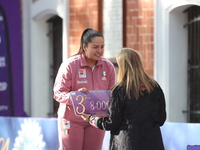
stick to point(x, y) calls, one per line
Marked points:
point(73, 74)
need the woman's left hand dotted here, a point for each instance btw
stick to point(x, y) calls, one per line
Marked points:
point(83, 89)
point(85, 117)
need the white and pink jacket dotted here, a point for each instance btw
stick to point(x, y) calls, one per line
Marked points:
point(75, 73)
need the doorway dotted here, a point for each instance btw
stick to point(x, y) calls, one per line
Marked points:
point(55, 34)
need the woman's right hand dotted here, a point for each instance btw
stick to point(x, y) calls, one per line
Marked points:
point(85, 117)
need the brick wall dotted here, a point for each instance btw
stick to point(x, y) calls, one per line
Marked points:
point(83, 14)
point(139, 30)
point(138, 25)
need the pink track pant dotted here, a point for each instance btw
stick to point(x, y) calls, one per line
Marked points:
point(77, 134)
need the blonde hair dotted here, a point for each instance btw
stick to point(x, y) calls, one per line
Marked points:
point(131, 73)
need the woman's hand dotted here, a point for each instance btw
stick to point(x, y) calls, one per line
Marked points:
point(85, 117)
point(83, 89)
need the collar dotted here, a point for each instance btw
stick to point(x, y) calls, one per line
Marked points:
point(84, 62)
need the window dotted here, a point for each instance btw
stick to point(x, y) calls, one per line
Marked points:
point(193, 26)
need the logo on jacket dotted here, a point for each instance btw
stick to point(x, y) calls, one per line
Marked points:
point(82, 73)
point(82, 81)
point(103, 73)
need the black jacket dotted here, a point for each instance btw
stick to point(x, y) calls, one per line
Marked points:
point(135, 124)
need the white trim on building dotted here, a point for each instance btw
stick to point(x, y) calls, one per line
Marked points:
point(171, 54)
point(37, 49)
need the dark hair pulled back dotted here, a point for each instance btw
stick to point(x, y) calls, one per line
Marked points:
point(86, 37)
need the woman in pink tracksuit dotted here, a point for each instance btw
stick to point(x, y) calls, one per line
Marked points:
point(85, 71)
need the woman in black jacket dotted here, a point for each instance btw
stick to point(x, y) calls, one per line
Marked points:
point(137, 107)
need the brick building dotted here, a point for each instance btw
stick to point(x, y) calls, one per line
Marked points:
point(157, 28)
point(129, 23)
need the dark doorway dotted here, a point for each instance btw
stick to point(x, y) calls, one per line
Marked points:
point(193, 26)
point(55, 34)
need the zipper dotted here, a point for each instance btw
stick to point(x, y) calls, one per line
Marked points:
point(93, 77)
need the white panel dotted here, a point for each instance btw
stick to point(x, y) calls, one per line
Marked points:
point(178, 50)
point(26, 55)
point(112, 27)
point(36, 52)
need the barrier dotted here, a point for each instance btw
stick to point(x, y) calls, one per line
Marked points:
point(24, 133)
point(193, 147)
point(18, 133)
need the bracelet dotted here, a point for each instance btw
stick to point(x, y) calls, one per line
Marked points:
point(89, 118)
point(93, 120)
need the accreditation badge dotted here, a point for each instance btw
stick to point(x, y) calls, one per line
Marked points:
point(82, 73)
